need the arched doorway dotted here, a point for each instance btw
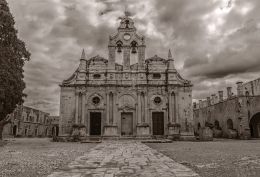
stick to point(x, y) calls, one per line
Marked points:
point(14, 130)
point(55, 131)
point(255, 126)
point(229, 124)
point(216, 124)
point(198, 126)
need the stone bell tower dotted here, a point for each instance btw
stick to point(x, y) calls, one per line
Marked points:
point(127, 44)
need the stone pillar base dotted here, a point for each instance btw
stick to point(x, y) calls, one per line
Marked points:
point(143, 130)
point(110, 130)
point(174, 131)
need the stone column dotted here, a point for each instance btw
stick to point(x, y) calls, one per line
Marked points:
point(114, 109)
point(77, 109)
point(174, 108)
point(176, 111)
point(111, 102)
point(146, 108)
point(139, 106)
point(83, 119)
point(170, 108)
point(107, 108)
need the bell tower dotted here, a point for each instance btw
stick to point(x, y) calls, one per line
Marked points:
point(126, 44)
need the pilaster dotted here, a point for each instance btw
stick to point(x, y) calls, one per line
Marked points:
point(83, 117)
point(126, 58)
point(77, 108)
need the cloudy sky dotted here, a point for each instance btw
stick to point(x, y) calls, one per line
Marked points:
point(214, 42)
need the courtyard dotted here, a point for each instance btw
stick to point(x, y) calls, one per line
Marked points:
point(41, 157)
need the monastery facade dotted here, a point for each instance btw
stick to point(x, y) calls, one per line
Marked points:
point(116, 97)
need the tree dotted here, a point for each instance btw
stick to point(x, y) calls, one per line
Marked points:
point(13, 55)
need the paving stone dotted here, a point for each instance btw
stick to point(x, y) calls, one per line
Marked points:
point(124, 158)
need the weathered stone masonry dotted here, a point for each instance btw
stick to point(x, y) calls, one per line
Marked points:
point(139, 97)
point(237, 116)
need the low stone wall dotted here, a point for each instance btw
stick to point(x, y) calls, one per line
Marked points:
point(206, 134)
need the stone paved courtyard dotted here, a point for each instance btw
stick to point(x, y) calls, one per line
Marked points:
point(124, 158)
point(219, 158)
point(34, 157)
point(37, 157)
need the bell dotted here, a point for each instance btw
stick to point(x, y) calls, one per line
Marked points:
point(119, 50)
point(134, 50)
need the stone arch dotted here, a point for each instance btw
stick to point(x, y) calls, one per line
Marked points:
point(216, 124)
point(127, 100)
point(230, 124)
point(119, 45)
point(55, 130)
point(255, 125)
point(198, 126)
point(134, 47)
point(14, 130)
point(127, 93)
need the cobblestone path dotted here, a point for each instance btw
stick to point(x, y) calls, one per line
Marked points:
point(121, 159)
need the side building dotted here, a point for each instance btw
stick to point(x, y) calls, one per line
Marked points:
point(237, 116)
point(29, 122)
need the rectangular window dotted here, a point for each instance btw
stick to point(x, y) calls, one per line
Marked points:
point(156, 76)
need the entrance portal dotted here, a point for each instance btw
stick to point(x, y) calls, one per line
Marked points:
point(158, 123)
point(127, 123)
point(95, 123)
point(255, 126)
point(14, 130)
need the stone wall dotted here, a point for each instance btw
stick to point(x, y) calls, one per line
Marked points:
point(232, 115)
point(28, 122)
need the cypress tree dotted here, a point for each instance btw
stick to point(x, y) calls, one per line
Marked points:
point(13, 55)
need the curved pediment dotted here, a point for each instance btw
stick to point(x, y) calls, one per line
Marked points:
point(97, 59)
point(71, 79)
point(126, 101)
point(156, 59)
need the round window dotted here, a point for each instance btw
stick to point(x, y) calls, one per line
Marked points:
point(157, 100)
point(96, 100)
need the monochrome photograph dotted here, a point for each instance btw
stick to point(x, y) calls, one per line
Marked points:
point(129, 88)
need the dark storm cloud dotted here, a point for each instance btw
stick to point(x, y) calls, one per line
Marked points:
point(214, 43)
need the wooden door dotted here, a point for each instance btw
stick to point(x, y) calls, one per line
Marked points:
point(158, 123)
point(95, 123)
point(127, 124)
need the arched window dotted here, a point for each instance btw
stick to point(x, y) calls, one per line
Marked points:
point(216, 124)
point(247, 93)
point(199, 126)
point(229, 124)
point(119, 45)
point(134, 47)
point(127, 23)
